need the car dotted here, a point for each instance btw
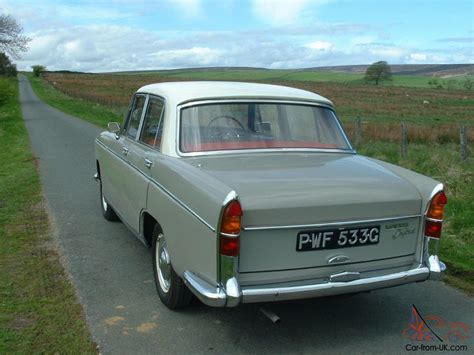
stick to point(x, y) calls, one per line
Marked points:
point(250, 192)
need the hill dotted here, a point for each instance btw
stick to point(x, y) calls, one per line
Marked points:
point(427, 70)
point(437, 70)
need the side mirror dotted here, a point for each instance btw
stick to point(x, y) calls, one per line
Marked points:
point(113, 127)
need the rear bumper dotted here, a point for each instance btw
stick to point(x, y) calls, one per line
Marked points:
point(217, 296)
point(232, 295)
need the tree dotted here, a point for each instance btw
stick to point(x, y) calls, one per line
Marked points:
point(6, 67)
point(378, 71)
point(38, 69)
point(12, 40)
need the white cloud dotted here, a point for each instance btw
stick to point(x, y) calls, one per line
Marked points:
point(387, 52)
point(113, 48)
point(319, 45)
point(418, 57)
point(67, 36)
point(202, 56)
point(105, 48)
point(363, 40)
point(281, 12)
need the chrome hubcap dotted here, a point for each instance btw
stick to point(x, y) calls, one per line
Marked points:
point(163, 264)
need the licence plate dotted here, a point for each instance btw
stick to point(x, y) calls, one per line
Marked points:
point(337, 238)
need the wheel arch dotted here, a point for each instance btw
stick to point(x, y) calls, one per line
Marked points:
point(97, 164)
point(148, 225)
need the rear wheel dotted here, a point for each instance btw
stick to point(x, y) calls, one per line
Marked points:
point(107, 210)
point(170, 287)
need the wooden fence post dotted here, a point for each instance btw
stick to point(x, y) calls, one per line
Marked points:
point(358, 131)
point(463, 142)
point(403, 141)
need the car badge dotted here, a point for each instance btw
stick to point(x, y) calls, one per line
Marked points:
point(339, 259)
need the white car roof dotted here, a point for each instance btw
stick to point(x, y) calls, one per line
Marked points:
point(185, 91)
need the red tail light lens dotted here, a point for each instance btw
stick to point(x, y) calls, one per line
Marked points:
point(433, 229)
point(434, 215)
point(231, 218)
point(229, 242)
point(229, 246)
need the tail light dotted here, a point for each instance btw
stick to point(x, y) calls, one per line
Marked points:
point(434, 215)
point(230, 229)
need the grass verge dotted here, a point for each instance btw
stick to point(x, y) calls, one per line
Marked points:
point(95, 113)
point(440, 161)
point(39, 310)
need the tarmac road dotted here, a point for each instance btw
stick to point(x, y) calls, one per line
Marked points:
point(112, 272)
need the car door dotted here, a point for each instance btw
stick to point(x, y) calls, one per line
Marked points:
point(121, 174)
point(115, 167)
point(142, 154)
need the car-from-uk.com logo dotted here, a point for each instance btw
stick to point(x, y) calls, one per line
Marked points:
point(433, 333)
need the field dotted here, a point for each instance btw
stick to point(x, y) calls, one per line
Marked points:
point(39, 310)
point(433, 133)
point(432, 77)
point(432, 115)
point(389, 104)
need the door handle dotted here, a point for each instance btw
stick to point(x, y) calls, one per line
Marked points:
point(124, 150)
point(148, 163)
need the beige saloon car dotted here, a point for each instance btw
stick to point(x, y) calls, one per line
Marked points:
point(253, 193)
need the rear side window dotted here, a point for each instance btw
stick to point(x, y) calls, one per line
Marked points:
point(152, 124)
point(135, 116)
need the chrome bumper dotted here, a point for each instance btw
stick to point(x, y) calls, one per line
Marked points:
point(232, 295)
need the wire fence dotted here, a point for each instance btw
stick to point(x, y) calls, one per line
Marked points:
point(364, 132)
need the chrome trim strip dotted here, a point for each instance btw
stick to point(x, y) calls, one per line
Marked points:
point(230, 197)
point(431, 259)
point(266, 151)
point(230, 235)
point(251, 295)
point(179, 108)
point(433, 220)
point(198, 102)
point(329, 224)
point(161, 187)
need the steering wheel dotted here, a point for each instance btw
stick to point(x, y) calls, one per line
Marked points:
point(228, 118)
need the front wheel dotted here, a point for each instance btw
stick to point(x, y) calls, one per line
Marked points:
point(170, 287)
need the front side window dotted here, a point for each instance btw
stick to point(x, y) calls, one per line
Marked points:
point(236, 126)
point(152, 124)
point(135, 116)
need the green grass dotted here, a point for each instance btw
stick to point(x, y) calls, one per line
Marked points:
point(261, 74)
point(39, 310)
point(416, 81)
point(442, 162)
point(95, 113)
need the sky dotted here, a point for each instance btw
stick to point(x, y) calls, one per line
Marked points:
point(123, 35)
